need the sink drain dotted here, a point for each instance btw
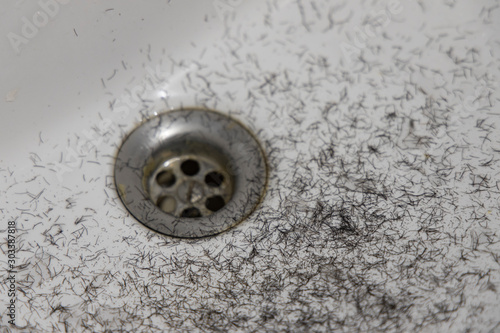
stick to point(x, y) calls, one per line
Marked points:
point(190, 173)
point(191, 186)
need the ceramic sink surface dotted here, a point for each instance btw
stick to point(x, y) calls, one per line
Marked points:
point(382, 128)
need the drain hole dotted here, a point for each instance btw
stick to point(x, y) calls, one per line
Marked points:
point(167, 204)
point(166, 178)
point(191, 212)
point(214, 179)
point(215, 203)
point(190, 167)
point(192, 180)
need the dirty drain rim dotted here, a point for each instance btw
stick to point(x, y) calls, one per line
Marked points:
point(186, 133)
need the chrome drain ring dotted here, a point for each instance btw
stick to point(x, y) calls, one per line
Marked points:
point(190, 173)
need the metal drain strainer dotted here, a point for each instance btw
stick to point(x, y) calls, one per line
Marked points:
point(190, 173)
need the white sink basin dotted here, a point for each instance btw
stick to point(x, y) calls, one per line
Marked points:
point(381, 124)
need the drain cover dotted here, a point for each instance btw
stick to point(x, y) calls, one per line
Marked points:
point(190, 173)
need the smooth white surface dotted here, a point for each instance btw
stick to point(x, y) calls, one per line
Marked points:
point(402, 142)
